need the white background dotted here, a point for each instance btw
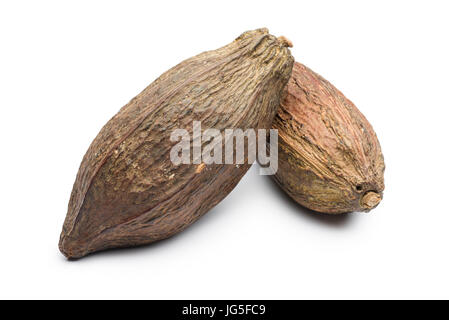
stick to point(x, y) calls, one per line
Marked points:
point(67, 67)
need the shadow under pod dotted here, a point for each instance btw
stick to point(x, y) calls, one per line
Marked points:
point(332, 220)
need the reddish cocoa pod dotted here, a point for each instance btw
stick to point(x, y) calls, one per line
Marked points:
point(127, 191)
point(329, 157)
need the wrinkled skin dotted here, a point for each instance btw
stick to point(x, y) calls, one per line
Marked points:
point(330, 160)
point(127, 191)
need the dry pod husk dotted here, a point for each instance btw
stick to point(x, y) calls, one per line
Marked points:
point(127, 191)
point(330, 160)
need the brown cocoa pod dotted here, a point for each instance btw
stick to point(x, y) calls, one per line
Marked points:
point(127, 191)
point(330, 160)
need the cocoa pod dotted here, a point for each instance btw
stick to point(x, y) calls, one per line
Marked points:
point(127, 191)
point(330, 160)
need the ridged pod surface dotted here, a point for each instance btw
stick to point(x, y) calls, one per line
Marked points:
point(329, 157)
point(127, 191)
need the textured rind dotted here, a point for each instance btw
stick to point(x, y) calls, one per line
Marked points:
point(330, 159)
point(127, 191)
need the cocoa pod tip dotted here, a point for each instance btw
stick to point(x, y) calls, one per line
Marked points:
point(285, 42)
point(370, 200)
